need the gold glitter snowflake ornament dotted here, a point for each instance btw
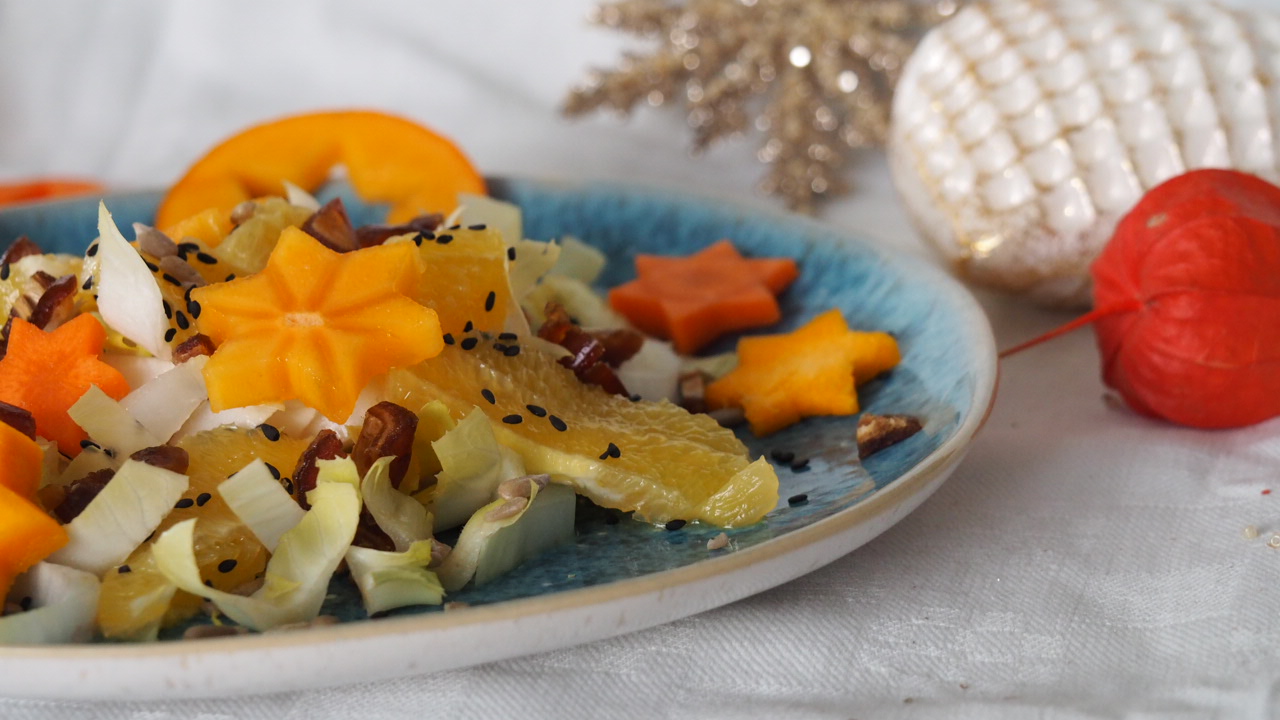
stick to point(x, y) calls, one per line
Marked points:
point(813, 76)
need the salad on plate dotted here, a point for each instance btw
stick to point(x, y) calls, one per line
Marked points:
point(208, 426)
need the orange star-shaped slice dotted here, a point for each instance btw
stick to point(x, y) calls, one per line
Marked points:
point(315, 325)
point(781, 379)
point(46, 373)
point(696, 299)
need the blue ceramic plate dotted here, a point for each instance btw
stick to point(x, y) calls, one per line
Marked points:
point(628, 575)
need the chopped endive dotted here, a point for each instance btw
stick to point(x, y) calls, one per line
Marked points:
point(576, 297)
point(579, 260)
point(297, 576)
point(110, 425)
point(121, 517)
point(63, 603)
point(503, 216)
point(261, 503)
point(164, 404)
point(401, 517)
point(129, 299)
point(389, 580)
point(493, 542)
point(474, 464)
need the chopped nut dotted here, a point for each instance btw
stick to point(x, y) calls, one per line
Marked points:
point(522, 486)
point(1250, 532)
point(693, 391)
point(332, 227)
point(877, 432)
point(718, 542)
point(507, 509)
point(181, 270)
point(241, 213)
point(153, 242)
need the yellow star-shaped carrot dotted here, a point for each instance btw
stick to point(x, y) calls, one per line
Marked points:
point(781, 379)
point(315, 325)
point(46, 373)
point(693, 300)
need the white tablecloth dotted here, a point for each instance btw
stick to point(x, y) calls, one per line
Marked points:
point(1083, 562)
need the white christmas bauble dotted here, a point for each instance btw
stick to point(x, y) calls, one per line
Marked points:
point(1023, 130)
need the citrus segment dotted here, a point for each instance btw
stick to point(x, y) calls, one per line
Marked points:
point(464, 279)
point(135, 602)
point(652, 458)
point(387, 158)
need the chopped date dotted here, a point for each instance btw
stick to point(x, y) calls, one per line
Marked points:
point(387, 431)
point(22, 247)
point(19, 419)
point(370, 235)
point(80, 493)
point(194, 346)
point(57, 304)
point(326, 446)
point(332, 227)
point(171, 458)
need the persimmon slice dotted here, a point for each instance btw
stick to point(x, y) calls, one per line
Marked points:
point(388, 159)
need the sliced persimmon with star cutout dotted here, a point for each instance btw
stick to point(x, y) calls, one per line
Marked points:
point(45, 373)
point(315, 325)
point(693, 300)
point(388, 159)
point(781, 379)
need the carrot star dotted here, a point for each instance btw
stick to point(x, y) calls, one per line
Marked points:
point(46, 373)
point(696, 299)
point(781, 379)
point(315, 325)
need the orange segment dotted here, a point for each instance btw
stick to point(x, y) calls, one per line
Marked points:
point(135, 602)
point(668, 463)
point(314, 325)
point(458, 276)
point(27, 536)
point(209, 226)
point(388, 159)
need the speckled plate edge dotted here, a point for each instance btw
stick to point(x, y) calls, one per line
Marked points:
point(411, 645)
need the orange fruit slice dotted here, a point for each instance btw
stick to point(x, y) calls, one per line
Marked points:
point(464, 279)
point(135, 602)
point(656, 459)
point(387, 158)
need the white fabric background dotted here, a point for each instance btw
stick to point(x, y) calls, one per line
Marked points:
point(1082, 562)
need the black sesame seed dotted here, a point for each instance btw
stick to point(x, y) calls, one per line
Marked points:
point(171, 279)
point(170, 334)
point(511, 254)
point(186, 294)
point(88, 283)
point(184, 503)
point(230, 277)
point(468, 327)
point(455, 227)
point(469, 343)
point(270, 432)
point(537, 410)
point(227, 565)
point(611, 452)
point(635, 397)
point(188, 247)
point(288, 485)
point(489, 301)
point(93, 250)
point(488, 395)
point(4, 271)
point(782, 456)
point(478, 226)
point(168, 309)
point(417, 239)
point(109, 452)
point(272, 469)
point(798, 499)
point(25, 603)
point(512, 351)
point(500, 347)
point(124, 569)
point(448, 338)
point(557, 423)
point(181, 318)
point(152, 266)
point(208, 583)
point(206, 258)
point(203, 498)
point(444, 239)
point(508, 336)
point(86, 444)
point(673, 525)
point(193, 308)
point(513, 419)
